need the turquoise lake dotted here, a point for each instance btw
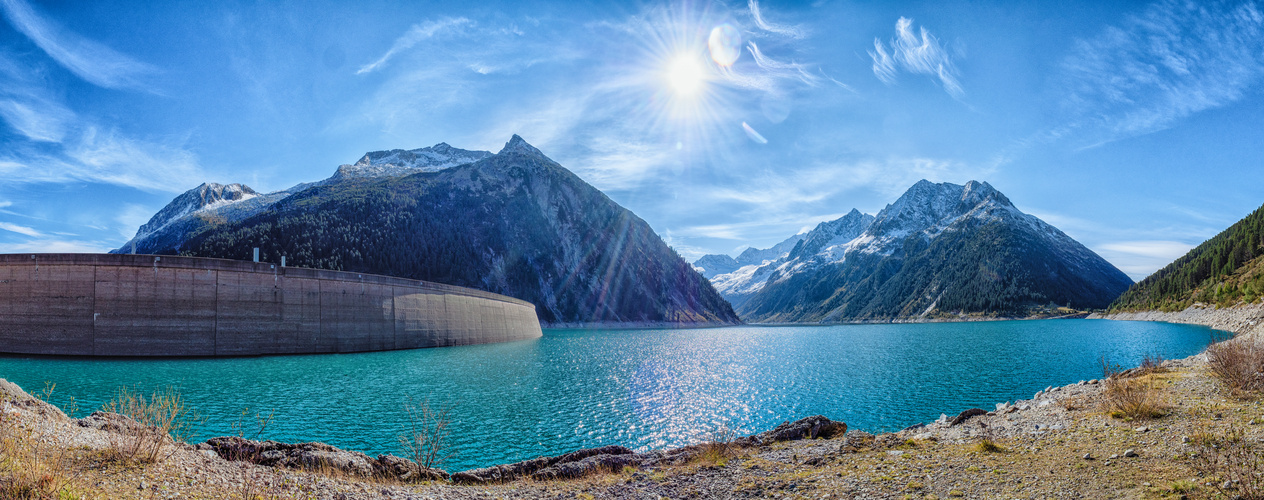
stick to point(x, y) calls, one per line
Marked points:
point(644, 389)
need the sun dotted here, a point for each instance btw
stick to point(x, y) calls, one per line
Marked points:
point(686, 74)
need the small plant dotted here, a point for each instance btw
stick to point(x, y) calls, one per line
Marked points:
point(1132, 399)
point(1151, 363)
point(71, 407)
point(1183, 486)
point(160, 419)
point(719, 447)
point(1131, 395)
point(260, 424)
point(988, 446)
point(1237, 461)
point(426, 439)
point(1238, 364)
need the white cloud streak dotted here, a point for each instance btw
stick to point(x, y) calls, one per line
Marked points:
point(1169, 61)
point(917, 53)
point(91, 61)
point(50, 245)
point(416, 34)
point(37, 119)
point(8, 226)
point(1139, 259)
point(763, 24)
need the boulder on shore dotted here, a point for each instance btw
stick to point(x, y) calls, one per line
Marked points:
point(571, 465)
point(316, 456)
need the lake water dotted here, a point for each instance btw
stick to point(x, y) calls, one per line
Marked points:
point(643, 389)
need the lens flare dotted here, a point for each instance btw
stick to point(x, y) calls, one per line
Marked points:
point(725, 44)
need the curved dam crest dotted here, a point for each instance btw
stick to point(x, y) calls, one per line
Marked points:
point(159, 305)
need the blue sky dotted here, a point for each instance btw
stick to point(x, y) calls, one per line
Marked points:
point(1134, 127)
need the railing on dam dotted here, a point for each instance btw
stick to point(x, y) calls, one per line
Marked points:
point(158, 305)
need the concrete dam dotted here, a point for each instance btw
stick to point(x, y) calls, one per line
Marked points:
point(159, 305)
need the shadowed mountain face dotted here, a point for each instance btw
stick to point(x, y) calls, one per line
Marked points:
point(514, 223)
point(940, 249)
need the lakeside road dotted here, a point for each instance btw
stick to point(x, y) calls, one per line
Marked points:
point(1041, 445)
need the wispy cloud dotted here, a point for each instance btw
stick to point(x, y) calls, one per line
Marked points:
point(11, 227)
point(105, 157)
point(416, 34)
point(1169, 61)
point(780, 29)
point(62, 146)
point(37, 119)
point(90, 60)
point(1139, 259)
point(917, 53)
point(52, 245)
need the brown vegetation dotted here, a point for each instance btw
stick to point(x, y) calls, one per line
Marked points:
point(1238, 363)
point(161, 420)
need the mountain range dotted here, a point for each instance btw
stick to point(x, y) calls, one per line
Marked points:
point(940, 250)
point(515, 223)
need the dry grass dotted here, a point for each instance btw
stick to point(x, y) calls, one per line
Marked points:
point(1133, 394)
point(719, 447)
point(1238, 364)
point(31, 467)
point(1233, 462)
point(162, 419)
point(988, 446)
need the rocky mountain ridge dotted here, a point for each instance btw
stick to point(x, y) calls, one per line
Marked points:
point(514, 223)
point(940, 249)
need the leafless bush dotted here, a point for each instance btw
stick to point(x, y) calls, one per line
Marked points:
point(425, 441)
point(1234, 463)
point(161, 419)
point(1238, 364)
point(1151, 363)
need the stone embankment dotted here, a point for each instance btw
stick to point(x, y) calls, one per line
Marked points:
point(1245, 319)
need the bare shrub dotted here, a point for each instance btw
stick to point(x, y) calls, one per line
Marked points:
point(1234, 463)
point(1238, 364)
point(1151, 363)
point(425, 441)
point(161, 419)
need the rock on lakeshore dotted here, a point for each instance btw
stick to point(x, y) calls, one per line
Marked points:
point(570, 465)
point(316, 456)
point(1242, 319)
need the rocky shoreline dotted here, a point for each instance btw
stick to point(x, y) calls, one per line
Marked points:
point(1246, 319)
point(1060, 443)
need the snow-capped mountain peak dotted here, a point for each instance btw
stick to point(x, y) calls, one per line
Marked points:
point(208, 195)
point(401, 162)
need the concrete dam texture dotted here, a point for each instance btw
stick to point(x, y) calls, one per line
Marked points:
point(158, 305)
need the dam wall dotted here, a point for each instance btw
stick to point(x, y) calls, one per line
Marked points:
point(158, 305)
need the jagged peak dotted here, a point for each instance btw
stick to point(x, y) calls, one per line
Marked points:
point(519, 145)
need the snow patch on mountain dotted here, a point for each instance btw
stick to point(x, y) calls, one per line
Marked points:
point(825, 243)
point(400, 162)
